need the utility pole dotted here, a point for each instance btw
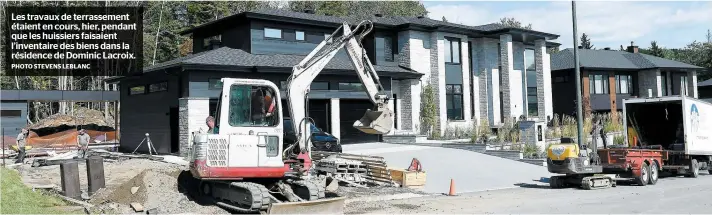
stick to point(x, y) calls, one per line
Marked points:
point(579, 114)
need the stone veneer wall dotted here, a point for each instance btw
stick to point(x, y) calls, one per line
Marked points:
point(192, 113)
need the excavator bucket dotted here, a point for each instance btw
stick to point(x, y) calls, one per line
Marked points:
point(321, 206)
point(375, 122)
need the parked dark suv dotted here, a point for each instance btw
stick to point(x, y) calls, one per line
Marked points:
point(321, 141)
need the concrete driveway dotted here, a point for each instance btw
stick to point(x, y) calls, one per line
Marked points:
point(471, 171)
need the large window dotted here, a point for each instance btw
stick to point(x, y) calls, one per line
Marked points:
point(273, 33)
point(624, 84)
point(251, 106)
point(530, 81)
point(453, 94)
point(351, 86)
point(381, 47)
point(452, 50)
point(317, 85)
point(472, 79)
point(598, 84)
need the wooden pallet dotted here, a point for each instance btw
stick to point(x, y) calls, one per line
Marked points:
point(407, 178)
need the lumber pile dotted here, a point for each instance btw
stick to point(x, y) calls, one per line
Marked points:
point(376, 170)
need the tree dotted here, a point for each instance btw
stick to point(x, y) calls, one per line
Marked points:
point(514, 23)
point(586, 42)
point(622, 49)
point(444, 19)
point(428, 112)
point(655, 50)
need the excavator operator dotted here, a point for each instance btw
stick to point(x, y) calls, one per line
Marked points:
point(263, 106)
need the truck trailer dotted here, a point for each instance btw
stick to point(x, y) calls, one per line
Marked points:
point(665, 134)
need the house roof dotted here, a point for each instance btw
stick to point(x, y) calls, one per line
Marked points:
point(708, 82)
point(386, 21)
point(229, 58)
point(610, 59)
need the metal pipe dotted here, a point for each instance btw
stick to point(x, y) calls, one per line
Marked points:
point(579, 114)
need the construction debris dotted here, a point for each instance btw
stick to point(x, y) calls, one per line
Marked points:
point(355, 169)
point(137, 207)
point(134, 189)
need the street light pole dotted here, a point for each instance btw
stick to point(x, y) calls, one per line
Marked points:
point(579, 114)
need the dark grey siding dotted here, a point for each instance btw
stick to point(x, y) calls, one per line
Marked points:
point(11, 125)
point(704, 92)
point(288, 43)
point(198, 84)
point(150, 113)
point(563, 92)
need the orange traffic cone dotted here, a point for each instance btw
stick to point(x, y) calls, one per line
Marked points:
point(452, 188)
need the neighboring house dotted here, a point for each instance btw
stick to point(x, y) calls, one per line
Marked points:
point(609, 76)
point(479, 72)
point(704, 89)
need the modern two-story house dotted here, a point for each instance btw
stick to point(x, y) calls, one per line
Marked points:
point(478, 72)
point(609, 76)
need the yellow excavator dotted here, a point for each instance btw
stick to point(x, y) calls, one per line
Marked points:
point(578, 165)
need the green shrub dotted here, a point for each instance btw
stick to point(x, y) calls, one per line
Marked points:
point(428, 112)
point(619, 140)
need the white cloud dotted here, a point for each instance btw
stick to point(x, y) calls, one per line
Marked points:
point(608, 23)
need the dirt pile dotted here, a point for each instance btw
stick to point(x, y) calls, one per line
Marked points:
point(81, 116)
point(156, 189)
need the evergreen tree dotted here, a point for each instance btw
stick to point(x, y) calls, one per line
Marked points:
point(655, 50)
point(586, 42)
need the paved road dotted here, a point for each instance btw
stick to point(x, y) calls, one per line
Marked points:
point(471, 171)
point(670, 196)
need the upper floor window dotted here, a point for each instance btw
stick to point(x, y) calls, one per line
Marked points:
point(624, 84)
point(452, 50)
point(598, 84)
point(529, 59)
point(299, 35)
point(383, 49)
point(273, 33)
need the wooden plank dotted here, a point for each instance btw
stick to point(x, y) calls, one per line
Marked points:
point(408, 178)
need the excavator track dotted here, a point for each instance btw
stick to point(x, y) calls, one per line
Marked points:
point(597, 182)
point(241, 196)
point(308, 190)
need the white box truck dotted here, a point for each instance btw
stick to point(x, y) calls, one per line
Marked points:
point(679, 126)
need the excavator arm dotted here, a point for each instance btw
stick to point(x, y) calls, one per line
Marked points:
point(377, 121)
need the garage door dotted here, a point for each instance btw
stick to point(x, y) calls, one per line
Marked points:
point(352, 110)
point(317, 111)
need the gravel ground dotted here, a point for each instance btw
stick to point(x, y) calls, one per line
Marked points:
point(157, 184)
point(670, 196)
point(160, 185)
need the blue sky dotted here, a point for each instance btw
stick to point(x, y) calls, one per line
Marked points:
point(609, 24)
